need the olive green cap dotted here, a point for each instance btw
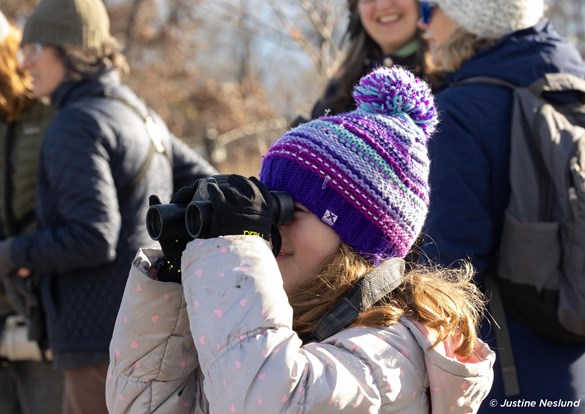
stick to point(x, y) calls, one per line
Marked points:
point(75, 23)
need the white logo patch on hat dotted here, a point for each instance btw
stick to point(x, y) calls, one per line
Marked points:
point(329, 217)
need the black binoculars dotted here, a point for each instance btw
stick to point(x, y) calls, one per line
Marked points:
point(193, 220)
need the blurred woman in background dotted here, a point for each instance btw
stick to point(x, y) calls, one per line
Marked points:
point(509, 40)
point(379, 33)
point(27, 383)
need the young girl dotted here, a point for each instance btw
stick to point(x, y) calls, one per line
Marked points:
point(242, 334)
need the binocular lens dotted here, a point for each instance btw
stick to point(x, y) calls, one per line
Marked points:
point(154, 223)
point(198, 217)
point(283, 207)
point(166, 222)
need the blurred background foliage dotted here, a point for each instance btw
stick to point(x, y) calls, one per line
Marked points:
point(228, 75)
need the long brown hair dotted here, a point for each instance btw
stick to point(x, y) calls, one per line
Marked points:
point(459, 48)
point(445, 301)
point(15, 84)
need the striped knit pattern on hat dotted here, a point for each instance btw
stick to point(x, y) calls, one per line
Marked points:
point(492, 19)
point(364, 173)
point(76, 23)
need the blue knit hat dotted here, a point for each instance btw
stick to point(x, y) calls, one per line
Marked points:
point(364, 173)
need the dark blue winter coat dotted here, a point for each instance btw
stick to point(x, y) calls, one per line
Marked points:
point(470, 186)
point(469, 152)
point(92, 220)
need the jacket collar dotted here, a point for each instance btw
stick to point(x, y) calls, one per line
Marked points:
point(71, 91)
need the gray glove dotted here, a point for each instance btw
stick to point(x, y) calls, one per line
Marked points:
point(19, 295)
point(6, 263)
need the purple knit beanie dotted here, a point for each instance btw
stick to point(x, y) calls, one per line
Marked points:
point(364, 173)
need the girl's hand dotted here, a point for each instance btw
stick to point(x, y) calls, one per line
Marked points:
point(242, 207)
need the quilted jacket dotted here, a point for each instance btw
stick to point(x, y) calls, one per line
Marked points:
point(19, 156)
point(91, 219)
point(222, 342)
point(20, 142)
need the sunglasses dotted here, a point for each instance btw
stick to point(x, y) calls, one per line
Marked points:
point(30, 52)
point(426, 10)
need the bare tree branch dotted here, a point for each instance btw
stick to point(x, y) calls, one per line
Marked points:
point(132, 18)
point(312, 14)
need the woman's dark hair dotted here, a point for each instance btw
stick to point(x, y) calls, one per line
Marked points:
point(361, 51)
point(90, 63)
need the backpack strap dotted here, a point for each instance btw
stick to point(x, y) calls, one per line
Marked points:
point(156, 144)
point(507, 363)
point(485, 80)
point(548, 83)
point(369, 289)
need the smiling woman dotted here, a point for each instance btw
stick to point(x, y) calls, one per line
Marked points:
point(379, 33)
point(391, 24)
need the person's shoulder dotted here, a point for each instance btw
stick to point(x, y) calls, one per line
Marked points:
point(385, 350)
point(392, 341)
point(451, 377)
point(95, 105)
point(469, 87)
point(474, 100)
point(105, 96)
point(77, 127)
point(443, 354)
point(74, 117)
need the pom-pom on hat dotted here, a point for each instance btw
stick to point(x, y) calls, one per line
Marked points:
point(364, 173)
point(77, 23)
point(492, 19)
